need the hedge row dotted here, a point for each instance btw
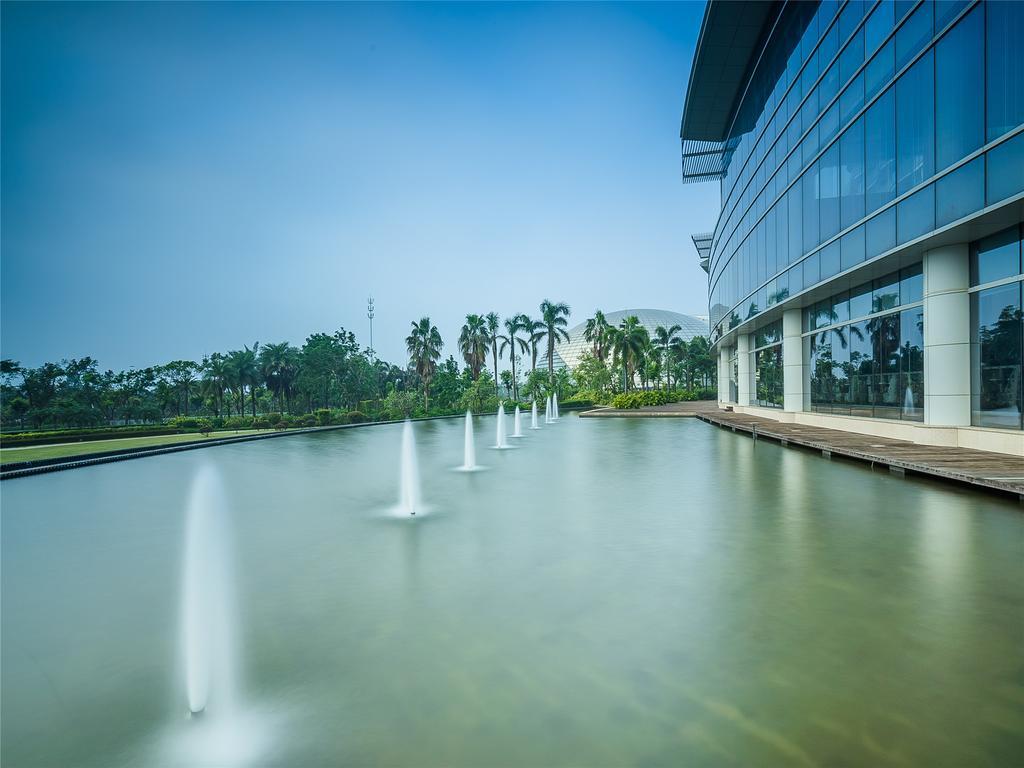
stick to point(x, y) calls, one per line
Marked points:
point(651, 397)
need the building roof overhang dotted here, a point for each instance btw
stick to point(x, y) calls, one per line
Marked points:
point(732, 36)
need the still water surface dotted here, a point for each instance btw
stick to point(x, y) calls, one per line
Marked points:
point(611, 592)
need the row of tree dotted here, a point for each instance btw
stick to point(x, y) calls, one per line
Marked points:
point(330, 371)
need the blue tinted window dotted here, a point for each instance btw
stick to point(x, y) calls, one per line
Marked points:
point(945, 10)
point(809, 182)
point(796, 231)
point(996, 357)
point(840, 309)
point(916, 215)
point(829, 126)
point(830, 264)
point(880, 157)
point(851, 248)
point(996, 257)
point(878, 71)
point(851, 100)
point(1004, 36)
point(860, 300)
point(886, 293)
point(1005, 169)
point(881, 233)
point(911, 284)
point(851, 175)
point(960, 193)
point(828, 187)
point(914, 34)
point(878, 25)
point(852, 57)
point(915, 129)
point(812, 270)
point(852, 13)
point(959, 102)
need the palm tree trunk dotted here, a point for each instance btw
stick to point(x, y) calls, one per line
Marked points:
point(515, 385)
point(551, 358)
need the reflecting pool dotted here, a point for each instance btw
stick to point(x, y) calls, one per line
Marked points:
point(605, 593)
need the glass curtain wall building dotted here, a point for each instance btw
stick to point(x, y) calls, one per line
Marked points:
point(870, 160)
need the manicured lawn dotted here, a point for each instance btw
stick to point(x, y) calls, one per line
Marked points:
point(59, 450)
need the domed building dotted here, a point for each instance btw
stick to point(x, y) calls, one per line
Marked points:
point(568, 353)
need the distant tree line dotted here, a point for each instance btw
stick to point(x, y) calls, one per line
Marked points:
point(329, 373)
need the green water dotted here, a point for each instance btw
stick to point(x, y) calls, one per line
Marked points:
point(612, 592)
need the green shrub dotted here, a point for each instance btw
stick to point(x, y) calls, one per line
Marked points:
point(323, 417)
point(306, 420)
point(356, 417)
point(238, 422)
point(204, 425)
point(273, 419)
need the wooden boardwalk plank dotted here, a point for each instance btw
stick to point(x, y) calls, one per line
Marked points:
point(980, 469)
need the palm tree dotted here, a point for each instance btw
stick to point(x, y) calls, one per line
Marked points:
point(278, 366)
point(535, 333)
point(509, 341)
point(424, 346)
point(665, 339)
point(596, 332)
point(628, 342)
point(555, 319)
point(473, 343)
point(245, 372)
point(216, 376)
point(493, 326)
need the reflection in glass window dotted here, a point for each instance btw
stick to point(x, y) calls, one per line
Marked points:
point(996, 257)
point(1005, 165)
point(1004, 67)
point(851, 173)
point(959, 102)
point(960, 193)
point(996, 357)
point(860, 300)
point(880, 162)
point(911, 284)
point(915, 32)
point(886, 293)
point(881, 233)
point(915, 215)
point(915, 125)
point(911, 382)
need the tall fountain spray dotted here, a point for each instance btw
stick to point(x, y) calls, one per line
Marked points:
point(500, 438)
point(547, 411)
point(533, 416)
point(554, 401)
point(468, 449)
point(518, 422)
point(409, 481)
point(208, 600)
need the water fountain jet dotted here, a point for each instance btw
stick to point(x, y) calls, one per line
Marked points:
point(409, 479)
point(207, 600)
point(500, 441)
point(468, 449)
point(533, 416)
point(554, 401)
point(518, 424)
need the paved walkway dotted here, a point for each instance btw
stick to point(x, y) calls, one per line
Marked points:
point(980, 469)
point(672, 410)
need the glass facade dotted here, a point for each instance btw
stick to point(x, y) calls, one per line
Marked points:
point(866, 126)
point(997, 323)
point(766, 367)
point(865, 349)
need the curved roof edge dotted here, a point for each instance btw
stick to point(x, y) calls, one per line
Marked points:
point(732, 35)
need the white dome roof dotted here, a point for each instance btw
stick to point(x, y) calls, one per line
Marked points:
point(568, 353)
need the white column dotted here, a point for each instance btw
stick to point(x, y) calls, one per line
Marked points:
point(792, 361)
point(723, 374)
point(947, 336)
point(745, 375)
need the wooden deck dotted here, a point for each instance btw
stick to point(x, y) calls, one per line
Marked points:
point(671, 410)
point(980, 469)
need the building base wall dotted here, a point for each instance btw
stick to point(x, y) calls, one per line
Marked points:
point(1010, 442)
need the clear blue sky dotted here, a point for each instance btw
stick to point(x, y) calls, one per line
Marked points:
point(179, 179)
